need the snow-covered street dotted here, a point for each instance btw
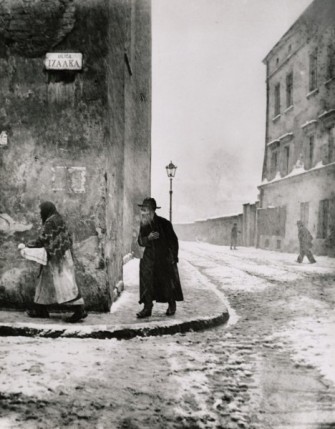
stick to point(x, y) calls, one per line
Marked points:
point(271, 366)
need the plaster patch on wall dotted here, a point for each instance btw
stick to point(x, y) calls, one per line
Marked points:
point(9, 225)
point(77, 178)
point(70, 179)
point(3, 138)
point(59, 178)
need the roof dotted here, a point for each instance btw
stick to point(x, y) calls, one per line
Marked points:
point(319, 12)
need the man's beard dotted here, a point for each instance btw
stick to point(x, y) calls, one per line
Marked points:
point(146, 219)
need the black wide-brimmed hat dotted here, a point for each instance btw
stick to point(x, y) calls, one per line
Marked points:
point(150, 203)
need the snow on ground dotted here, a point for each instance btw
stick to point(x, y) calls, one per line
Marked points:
point(264, 264)
point(313, 343)
point(261, 372)
point(311, 339)
point(193, 277)
point(130, 279)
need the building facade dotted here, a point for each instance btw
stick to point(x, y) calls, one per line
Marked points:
point(75, 127)
point(299, 161)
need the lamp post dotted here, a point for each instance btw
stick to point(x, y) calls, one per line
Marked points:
point(171, 172)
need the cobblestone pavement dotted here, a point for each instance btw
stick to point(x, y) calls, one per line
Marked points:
point(270, 367)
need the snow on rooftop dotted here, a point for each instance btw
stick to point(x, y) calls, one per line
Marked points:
point(313, 121)
point(219, 217)
point(297, 170)
point(285, 136)
point(326, 112)
point(318, 165)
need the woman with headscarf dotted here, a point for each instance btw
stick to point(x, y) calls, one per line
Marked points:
point(56, 283)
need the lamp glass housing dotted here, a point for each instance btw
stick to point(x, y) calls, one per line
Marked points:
point(171, 170)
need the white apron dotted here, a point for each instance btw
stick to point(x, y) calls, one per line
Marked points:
point(57, 283)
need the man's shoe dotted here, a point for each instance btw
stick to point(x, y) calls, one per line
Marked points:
point(146, 312)
point(171, 309)
point(79, 314)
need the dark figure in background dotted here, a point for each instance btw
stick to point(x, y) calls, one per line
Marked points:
point(233, 237)
point(159, 277)
point(56, 282)
point(305, 243)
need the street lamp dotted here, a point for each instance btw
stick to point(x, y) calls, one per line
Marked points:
point(171, 172)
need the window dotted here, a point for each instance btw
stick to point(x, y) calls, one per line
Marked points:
point(286, 160)
point(323, 220)
point(330, 62)
point(277, 99)
point(274, 161)
point(310, 151)
point(330, 145)
point(304, 213)
point(289, 90)
point(313, 60)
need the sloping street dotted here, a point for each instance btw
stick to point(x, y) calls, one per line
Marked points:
point(270, 366)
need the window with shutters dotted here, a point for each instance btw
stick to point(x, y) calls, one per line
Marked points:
point(323, 219)
point(330, 62)
point(289, 90)
point(277, 100)
point(274, 162)
point(304, 213)
point(329, 155)
point(286, 160)
point(310, 151)
point(313, 78)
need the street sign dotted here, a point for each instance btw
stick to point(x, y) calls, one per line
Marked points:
point(63, 61)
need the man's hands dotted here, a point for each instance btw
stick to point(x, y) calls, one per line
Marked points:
point(153, 236)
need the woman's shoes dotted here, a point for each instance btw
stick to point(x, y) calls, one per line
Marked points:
point(172, 308)
point(38, 311)
point(79, 314)
point(146, 312)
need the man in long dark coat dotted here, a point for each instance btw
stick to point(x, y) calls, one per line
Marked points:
point(233, 237)
point(159, 277)
point(305, 243)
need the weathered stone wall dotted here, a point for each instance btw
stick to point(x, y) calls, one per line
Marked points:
point(137, 155)
point(66, 137)
point(215, 231)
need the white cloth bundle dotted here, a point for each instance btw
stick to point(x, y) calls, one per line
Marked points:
point(36, 254)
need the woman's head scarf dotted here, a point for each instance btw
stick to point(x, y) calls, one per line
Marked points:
point(55, 235)
point(47, 209)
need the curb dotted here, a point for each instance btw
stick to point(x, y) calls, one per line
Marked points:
point(121, 332)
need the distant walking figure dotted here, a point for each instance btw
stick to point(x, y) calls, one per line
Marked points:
point(233, 237)
point(56, 283)
point(305, 243)
point(159, 277)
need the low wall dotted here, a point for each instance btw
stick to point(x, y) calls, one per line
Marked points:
point(214, 231)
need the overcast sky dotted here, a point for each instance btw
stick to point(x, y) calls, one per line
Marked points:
point(209, 100)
